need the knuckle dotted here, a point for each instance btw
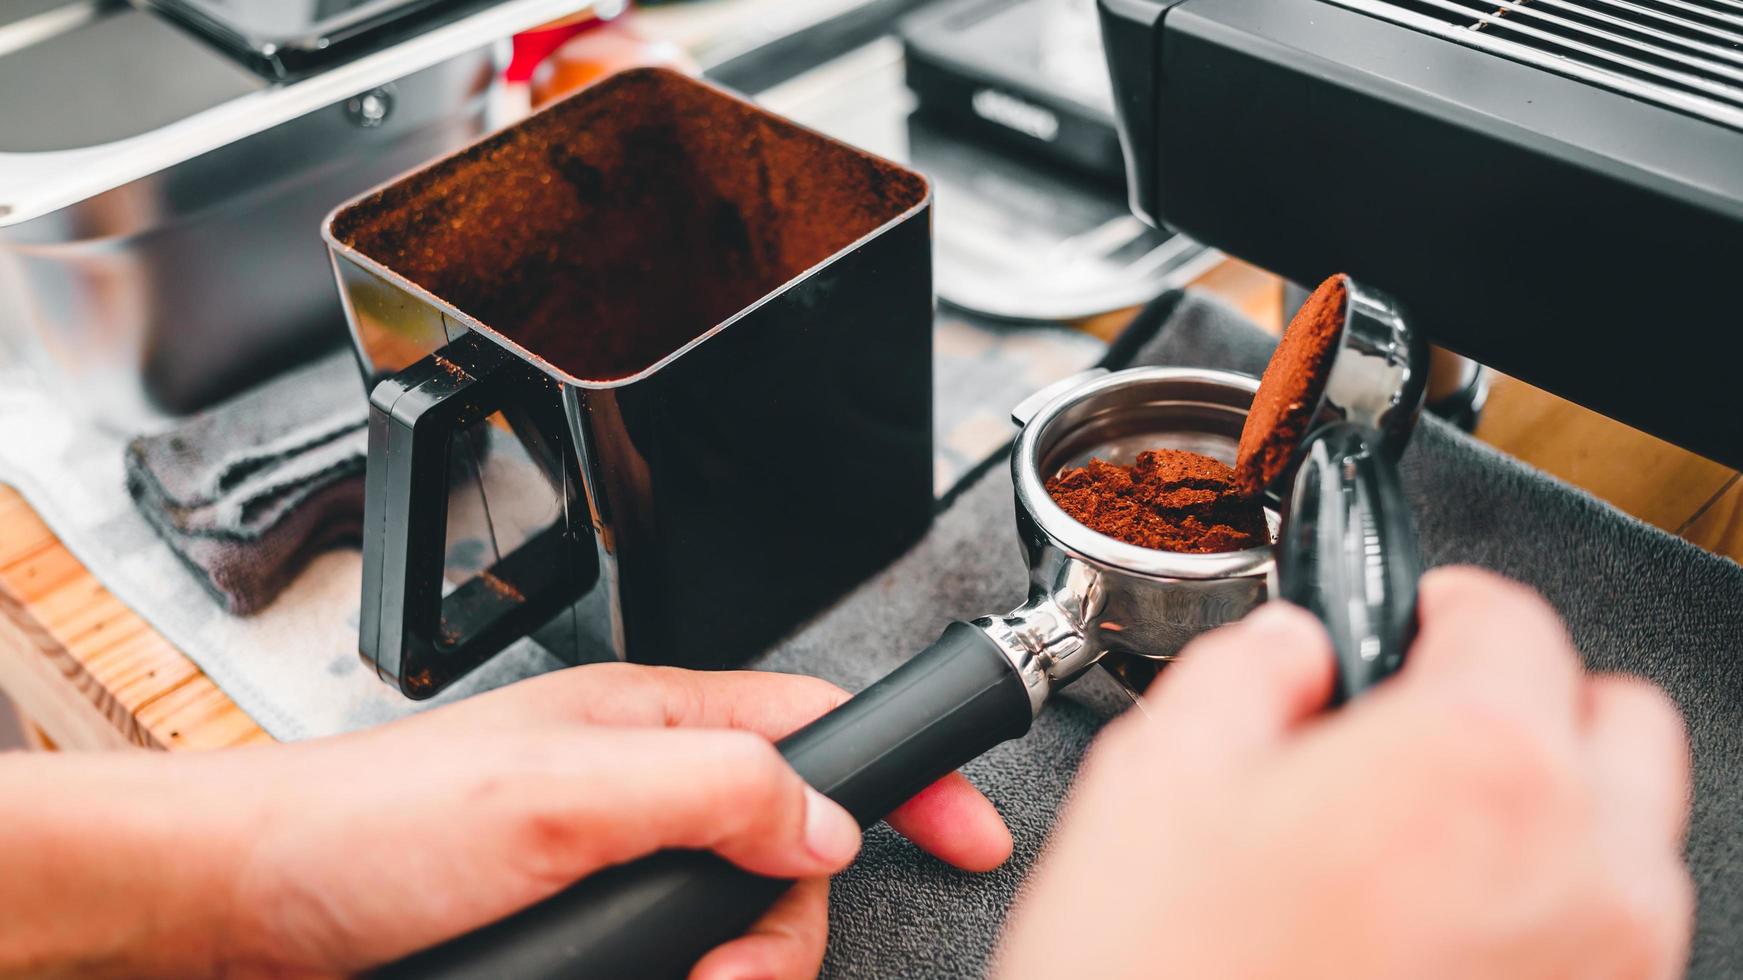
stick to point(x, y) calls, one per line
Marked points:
point(547, 837)
point(550, 842)
point(1644, 938)
point(1509, 766)
point(754, 764)
point(543, 817)
point(1649, 708)
point(1462, 586)
point(1209, 656)
point(1121, 749)
point(825, 693)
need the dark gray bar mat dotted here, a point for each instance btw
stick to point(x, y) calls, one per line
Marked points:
point(1636, 600)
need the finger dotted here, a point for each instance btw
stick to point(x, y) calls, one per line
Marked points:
point(643, 790)
point(1248, 684)
point(1638, 751)
point(1486, 637)
point(1666, 899)
point(771, 704)
point(952, 821)
point(787, 942)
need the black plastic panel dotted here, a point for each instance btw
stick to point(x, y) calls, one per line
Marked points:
point(1580, 240)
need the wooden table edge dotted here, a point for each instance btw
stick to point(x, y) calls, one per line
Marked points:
point(85, 669)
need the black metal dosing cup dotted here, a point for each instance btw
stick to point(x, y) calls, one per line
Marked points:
point(671, 352)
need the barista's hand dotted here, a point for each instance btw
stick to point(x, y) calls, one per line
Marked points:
point(332, 856)
point(1490, 812)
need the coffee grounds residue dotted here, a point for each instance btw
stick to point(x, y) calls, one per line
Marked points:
point(1290, 391)
point(619, 225)
point(1170, 500)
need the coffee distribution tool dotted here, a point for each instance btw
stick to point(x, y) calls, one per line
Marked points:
point(1346, 551)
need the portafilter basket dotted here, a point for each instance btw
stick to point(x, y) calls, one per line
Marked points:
point(1345, 550)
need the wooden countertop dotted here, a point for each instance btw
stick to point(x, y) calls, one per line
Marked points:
point(87, 673)
point(84, 670)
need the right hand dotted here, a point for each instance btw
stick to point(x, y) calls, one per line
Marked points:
point(1492, 811)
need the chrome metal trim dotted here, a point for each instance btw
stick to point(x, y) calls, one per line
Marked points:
point(1732, 54)
point(1722, 104)
point(1047, 640)
point(34, 184)
point(1380, 374)
point(29, 30)
point(1081, 542)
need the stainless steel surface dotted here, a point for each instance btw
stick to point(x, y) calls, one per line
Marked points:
point(25, 22)
point(104, 80)
point(32, 184)
point(1381, 371)
point(1686, 54)
point(158, 271)
point(1013, 240)
point(177, 288)
point(1093, 598)
point(1030, 406)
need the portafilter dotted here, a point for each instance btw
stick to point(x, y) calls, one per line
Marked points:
point(1345, 550)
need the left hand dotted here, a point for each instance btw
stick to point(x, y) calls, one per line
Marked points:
point(333, 856)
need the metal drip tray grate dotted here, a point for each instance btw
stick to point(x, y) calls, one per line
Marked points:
point(1686, 54)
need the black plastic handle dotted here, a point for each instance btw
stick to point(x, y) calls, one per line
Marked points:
point(657, 916)
point(412, 634)
point(1348, 553)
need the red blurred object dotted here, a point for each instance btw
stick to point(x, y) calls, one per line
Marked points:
point(595, 55)
point(534, 46)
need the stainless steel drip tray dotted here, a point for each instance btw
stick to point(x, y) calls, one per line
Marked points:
point(120, 73)
point(96, 94)
point(160, 204)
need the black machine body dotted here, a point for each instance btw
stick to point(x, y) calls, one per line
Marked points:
point(1561, 231)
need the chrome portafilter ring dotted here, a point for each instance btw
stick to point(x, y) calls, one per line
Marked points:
point(1092, 595)
point(1380, 373)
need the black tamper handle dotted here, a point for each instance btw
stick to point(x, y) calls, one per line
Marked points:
point(1347, 553)
point(657, 916)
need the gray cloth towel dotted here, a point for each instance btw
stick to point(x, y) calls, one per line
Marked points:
point(246, 492)
point(1636, 600)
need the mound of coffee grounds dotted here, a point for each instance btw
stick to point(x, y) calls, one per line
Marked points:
point(1289, 392)
point(1169, 500)
point(1173, 500)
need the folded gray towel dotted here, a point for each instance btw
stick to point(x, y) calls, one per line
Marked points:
point(247, 491)
point(1636, 600)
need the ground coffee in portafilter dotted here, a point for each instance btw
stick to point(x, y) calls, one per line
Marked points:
point(1173, 500)
point(1170, 500)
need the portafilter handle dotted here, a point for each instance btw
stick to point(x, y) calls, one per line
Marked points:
point(655, 917)
point(1347, 552)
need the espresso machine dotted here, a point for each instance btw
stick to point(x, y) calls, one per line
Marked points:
point(1554, 189)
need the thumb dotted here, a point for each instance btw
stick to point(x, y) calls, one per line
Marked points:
point(1245, 686)
point(731, 792)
